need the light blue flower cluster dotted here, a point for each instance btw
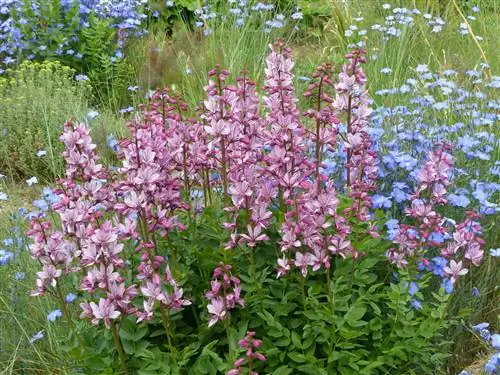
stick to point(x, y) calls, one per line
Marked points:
point(399, 20)
point(460, 109)
point(37, 29)
point(241, 12)
point(493, 340)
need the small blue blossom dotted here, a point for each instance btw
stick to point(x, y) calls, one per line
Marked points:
point(5, 257)
point(41, 204)
point(413, 288)
point(458, 200)
point(438, 265)
point(495, 252)
point(92, 115)
point(495, 341)
point(485, 334)
point(53, 315)
point(480, 326)
point(416, 304)
point(112, 143)
point(70, 297)
point(380, 201)
point(448, 286)
point(475, 292)
point(37, 336)
point(32, 181)
point(81, 77)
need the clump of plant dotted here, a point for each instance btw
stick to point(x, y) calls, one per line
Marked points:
point(35, 101)
point(226, 231)
point(40, 29)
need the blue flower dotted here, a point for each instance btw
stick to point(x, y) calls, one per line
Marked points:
point(41, 204)
point(20, 275)
point(53, 315)
point(475, 292)
point(485, 334)
point(5, 257)
point(438, 265)
point(49, 196)
point(392, 224)
point(413, 288)
point(448, 286)
point(490, 368)
point(37, 336)
point(458, 200)
point(495, 341)
point(112, 143)
point(92, 115)
point(31, 181)
point(436, 237)
point(416, 304)
point(380, 201)
point(493, 364)
point(495, 252)
point(328, 166)
point(8, 241)
point(70, 297)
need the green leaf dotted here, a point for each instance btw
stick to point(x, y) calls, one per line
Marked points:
point(296, 340)
point(313, 370)
point(297, 357)
point(128, 346)
point(282, 370)
point(355, 313)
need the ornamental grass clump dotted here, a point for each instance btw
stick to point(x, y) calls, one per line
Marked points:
point(223, 222)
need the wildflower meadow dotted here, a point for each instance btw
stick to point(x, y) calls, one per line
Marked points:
point(249, 187)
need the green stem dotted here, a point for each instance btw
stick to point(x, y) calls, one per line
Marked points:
point(166, 323)
point(303, 290)
point(328, 287)
point(119, 348)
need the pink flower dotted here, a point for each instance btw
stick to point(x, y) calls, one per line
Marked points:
point(217, 310)
point(254, 235)
point(474, 253)
point(147, 313)
point(455, 270)
point(224, 294)
point(283, 267)
point(104, 311)
point(302, 261)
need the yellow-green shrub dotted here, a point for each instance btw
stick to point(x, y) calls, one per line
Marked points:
point(35, 101)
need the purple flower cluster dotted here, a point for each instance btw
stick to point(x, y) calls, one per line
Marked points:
point(264, 166)
point(224, 295)
point(431, 236)
point(249, 344)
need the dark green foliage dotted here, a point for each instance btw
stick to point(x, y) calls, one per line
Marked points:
point(364, 325)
